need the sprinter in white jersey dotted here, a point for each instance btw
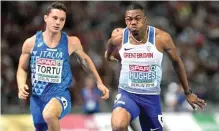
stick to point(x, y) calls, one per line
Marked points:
point(139, 48)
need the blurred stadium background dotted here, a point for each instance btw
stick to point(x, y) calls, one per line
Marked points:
point(194, 27)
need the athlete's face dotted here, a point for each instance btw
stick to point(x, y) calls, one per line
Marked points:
point(55, 20)
point(135, 20)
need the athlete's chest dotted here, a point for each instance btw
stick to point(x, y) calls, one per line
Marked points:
point(43, 51)
point(137, 53)
point(48, 63)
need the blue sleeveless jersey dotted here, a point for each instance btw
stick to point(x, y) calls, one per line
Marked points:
point(50, 68)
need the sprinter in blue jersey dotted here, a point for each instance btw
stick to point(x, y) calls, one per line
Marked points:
point(140, 48)
point(48, 54)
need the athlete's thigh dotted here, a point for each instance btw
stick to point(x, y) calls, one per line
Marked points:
point(65, 101)
point(36, 107)
point(125, 105)
point(120, 118)
point(59, 105)
point(150, 113)
point(53, 107)
point(151, 123)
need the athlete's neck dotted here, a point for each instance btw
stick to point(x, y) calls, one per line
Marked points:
point(51, 38)
point(141, 35)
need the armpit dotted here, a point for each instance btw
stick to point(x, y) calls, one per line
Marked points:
point(168, 49)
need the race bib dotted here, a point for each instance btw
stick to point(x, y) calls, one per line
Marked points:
point(49, 70)
point(142, 76)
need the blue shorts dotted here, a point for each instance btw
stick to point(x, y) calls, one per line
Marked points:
point(38, 103)
point(146, 108)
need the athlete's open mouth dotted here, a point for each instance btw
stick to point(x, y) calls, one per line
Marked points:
point(134, 27)
point(56, 28)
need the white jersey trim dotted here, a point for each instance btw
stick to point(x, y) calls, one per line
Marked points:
point(146, 93)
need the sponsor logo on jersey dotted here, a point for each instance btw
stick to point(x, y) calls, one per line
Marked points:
point(148, 48)
point(40, 44)
point(126, 49)
point(139, 68)
point(154, 129)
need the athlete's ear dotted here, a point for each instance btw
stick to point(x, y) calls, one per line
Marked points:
point(145, 19)
point(45, 18)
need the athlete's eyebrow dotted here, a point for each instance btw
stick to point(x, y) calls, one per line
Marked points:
point(133, 16)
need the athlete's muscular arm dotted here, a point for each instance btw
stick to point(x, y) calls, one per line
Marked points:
point(87, 64)
point(169, 47)
point(114, 42)
point(22, 70)
point(84, 59)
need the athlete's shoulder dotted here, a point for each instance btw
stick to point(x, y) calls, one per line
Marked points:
point(74, 44)
point(117, 31)
point(28, 44)
point(116, 36)
point(162, 35)
point(164, 40)
point(73, 40)
point(30, 40)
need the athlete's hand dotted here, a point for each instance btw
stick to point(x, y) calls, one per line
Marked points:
point(104, 90)
point(111, 58)
point(22, 93)
point(194, 100)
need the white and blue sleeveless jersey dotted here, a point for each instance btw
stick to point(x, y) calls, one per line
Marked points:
point(141, 71)
point(50, 68)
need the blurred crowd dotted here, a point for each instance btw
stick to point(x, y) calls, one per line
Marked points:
point(194, 27)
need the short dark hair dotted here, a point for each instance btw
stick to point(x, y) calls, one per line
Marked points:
point(135, 6)
point(56, 5)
